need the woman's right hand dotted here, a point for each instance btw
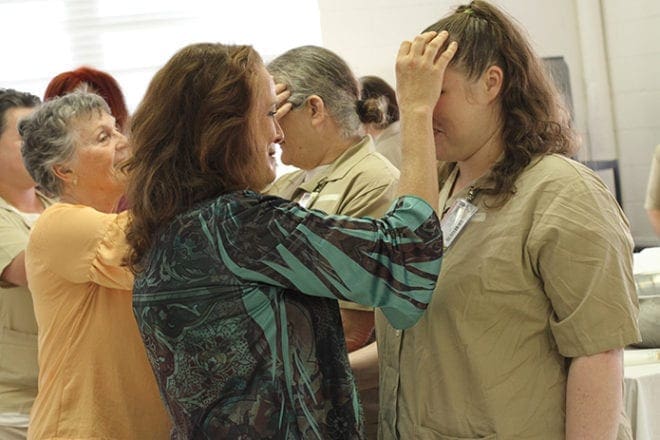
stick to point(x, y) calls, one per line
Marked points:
point(420, 71)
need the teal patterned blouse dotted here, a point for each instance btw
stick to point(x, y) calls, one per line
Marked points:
point(237, 308)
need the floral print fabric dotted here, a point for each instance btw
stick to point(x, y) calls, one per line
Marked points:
point(237, 308)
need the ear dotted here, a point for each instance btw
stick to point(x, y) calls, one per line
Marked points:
point(64, 173)
point(493, 80)
point(317, 110)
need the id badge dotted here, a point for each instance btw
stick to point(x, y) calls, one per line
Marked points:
point(455, 220)
point(305, 199)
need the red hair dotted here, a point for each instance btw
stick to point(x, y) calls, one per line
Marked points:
point(100, 82)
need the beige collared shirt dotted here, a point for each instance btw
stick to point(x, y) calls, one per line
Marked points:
point(523, 288)
point(18, 327)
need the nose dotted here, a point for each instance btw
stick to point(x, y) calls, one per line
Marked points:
point(122, 141)
point(279, 134)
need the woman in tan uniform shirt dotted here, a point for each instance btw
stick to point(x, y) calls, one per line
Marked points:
point(535, 300)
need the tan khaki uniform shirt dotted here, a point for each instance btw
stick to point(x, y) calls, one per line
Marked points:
point(360, 183)
point(653, 188)
point(522, 289)
point(18, 327)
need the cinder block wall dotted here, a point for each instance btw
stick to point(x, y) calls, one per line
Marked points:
point(367, 34)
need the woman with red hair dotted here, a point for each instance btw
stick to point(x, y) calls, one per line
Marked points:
point(99, 82)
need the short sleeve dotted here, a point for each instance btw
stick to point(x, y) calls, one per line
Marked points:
point(582, 250)
point(653, 188)
point(82, 245)
point(13, 239)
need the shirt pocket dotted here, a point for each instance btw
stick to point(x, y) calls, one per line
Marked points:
point(426, 433)
point(18, 358)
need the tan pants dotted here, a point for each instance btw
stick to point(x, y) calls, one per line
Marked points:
point(12, 433)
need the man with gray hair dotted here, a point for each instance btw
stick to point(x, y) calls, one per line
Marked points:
point(340, 171)
point(20, 205)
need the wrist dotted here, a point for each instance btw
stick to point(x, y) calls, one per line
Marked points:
point(416, 111)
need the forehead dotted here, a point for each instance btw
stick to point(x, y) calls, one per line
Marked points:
point(10, 118)
point(91, 121)
point(454, 76)
point(264, 86)
point(13, 114)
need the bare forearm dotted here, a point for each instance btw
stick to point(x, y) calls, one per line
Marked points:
point(654, 218)
point(594, 396)
point(418, 169)
point(364, 363)
point(14, 272)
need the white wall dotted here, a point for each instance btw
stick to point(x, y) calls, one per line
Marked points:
point(132, 39)
point(632, 36)
point(368, 33)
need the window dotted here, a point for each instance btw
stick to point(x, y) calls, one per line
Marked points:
point(132, 39)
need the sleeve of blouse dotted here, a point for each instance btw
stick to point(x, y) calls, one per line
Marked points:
point(82, 245)
point(393, 262)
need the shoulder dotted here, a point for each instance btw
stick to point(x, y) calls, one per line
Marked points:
point(657, 152)
point(63, 223)
point(7, 213)
point(557, 185)
point(286, 182)
point(66, 213)
point(231, 208)
point(560, 171)
point(366, 162)
point(377, 167)
point(362, 159)
point(558, 181)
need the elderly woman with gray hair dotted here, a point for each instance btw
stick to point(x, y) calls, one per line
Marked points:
point(94, 377)
point(340, 172)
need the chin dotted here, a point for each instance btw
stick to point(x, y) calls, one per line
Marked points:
point(285, 162)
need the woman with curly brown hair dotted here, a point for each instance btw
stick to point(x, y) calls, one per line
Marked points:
point(536, 300)
point(236, 292)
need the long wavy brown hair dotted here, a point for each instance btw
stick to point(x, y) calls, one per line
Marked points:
point(535, 118)
point(190, 137)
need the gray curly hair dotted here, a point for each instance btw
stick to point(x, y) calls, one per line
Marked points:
point(49, 135)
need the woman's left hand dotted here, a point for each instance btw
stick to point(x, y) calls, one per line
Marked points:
point(283, 106)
